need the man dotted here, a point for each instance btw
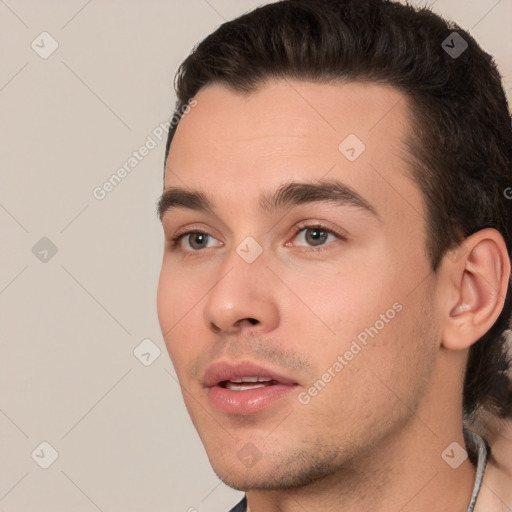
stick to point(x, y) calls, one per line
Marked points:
point(335, 287)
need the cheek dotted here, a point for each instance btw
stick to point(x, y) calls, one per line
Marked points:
point(179, 312)
point(376, 378)
point(341, 300)
point(365, 315)
point(166, 300)
point(179, 294)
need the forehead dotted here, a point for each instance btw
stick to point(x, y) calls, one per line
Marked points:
point(235, 146)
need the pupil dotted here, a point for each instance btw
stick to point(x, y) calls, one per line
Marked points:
point(198, 240)
point(316, 236)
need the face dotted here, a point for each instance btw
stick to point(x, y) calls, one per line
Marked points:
point(295, 296)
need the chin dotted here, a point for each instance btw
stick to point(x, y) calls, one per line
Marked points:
point(277, 470)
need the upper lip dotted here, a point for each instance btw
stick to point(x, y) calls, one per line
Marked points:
point(223, 371)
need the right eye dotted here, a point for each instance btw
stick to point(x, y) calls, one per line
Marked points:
point(194, 241)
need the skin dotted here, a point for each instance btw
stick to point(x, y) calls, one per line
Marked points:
point(372, 439)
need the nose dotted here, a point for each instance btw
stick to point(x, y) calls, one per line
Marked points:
point(242, 298)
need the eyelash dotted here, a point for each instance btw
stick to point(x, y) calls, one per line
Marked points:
point(175, 241)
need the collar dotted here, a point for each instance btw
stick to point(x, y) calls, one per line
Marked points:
point(479, 455)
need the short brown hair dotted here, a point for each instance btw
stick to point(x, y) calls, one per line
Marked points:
point(461, 142)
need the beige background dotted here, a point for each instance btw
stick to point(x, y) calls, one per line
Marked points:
point(70, 323)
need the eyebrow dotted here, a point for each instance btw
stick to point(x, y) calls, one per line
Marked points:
point(286, 195)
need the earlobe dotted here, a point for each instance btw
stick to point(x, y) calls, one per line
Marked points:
point(480, 279)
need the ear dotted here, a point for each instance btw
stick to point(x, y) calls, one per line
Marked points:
point(473, 284)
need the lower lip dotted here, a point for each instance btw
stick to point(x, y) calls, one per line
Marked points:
point(249, 401)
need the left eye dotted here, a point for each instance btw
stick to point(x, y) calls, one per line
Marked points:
point(315, 236)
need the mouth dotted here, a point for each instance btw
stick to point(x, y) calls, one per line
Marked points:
point(245, 383)
point(245, 388)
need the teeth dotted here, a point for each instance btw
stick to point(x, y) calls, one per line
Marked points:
point(231, 385)
point(252, 379)
point(244, 383)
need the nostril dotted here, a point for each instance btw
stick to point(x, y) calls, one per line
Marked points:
point(252, 321)
point(214, 328)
